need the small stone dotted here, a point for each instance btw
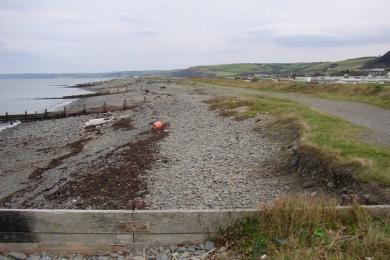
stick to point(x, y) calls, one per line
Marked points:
point(138, 257)
point(173, 248)
point(222, 249)
point(34, 257)
point(209, 245)
point(181, 250)
point(4, 257)
point(45, 257)
point(17, 255)
point(313, 194)
point(191, 249)
point(114, 255)
point(152, 257)
point(308, 184)
point(331, 185)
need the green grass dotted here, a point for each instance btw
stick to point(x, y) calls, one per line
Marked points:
point(374, 94)
point(337, 141)
point(302, 228)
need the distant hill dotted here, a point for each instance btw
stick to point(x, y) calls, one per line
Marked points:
point(300, 68)
point(280, 68)
point(380, 62)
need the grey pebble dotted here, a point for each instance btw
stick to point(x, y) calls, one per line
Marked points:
point(17, 255)
point(209, 245)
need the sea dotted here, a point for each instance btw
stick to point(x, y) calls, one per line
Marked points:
point(20, 95)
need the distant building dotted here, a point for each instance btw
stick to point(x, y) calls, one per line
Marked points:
point(304, 79)
point(377, 72)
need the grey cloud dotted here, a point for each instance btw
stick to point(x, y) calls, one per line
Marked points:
point(315, 36)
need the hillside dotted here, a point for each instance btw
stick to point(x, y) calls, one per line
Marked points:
point(283, 68)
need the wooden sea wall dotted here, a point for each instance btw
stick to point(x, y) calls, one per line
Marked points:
point(81, 230)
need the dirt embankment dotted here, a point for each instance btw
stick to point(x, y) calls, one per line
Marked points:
point(319, 172)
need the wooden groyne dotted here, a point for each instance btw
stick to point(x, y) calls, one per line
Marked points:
point(112, 91)
point(46, 115)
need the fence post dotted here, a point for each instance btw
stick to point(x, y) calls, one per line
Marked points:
point(144, 98)
point(104, 107)
point(6, 116)
point(65, 112)
point(124, 104)
point(84, 109)
point(45, 112)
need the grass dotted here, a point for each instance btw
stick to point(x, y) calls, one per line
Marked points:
point(309, 228)
point(337, 141)
point(375, 94)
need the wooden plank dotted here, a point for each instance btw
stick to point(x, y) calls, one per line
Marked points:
point(53, 238)
point(64, 221)
point(171, 239)
point(32, 248)
point(191, 221)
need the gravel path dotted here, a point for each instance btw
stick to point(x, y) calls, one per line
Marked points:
point(208, 161)
point(374, 118)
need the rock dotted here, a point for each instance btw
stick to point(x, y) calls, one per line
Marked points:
point(45, 257)
point(331, 185)
point(35, 257)
point(313, 194)
point(4, 257)
point(308, 184)
point(17, 255)
point(209, 245)
point(191, 249)
point(135, 258)
point(152, 257)
point(173, 248)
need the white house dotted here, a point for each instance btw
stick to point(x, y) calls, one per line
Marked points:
point(303, 79)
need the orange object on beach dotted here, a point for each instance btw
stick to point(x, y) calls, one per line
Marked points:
point(158, 125)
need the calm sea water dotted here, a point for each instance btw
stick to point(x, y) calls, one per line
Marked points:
point(18, 95)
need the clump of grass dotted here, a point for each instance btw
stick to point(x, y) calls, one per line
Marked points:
point(336, 140)
point(310, 228)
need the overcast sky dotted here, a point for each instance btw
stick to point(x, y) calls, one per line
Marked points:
point(102, 35)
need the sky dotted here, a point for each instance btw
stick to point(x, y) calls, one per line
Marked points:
point(100, 35)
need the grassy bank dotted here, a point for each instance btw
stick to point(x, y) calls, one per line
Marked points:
point(301, 228)
point(374, 94)
point(337, 140)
